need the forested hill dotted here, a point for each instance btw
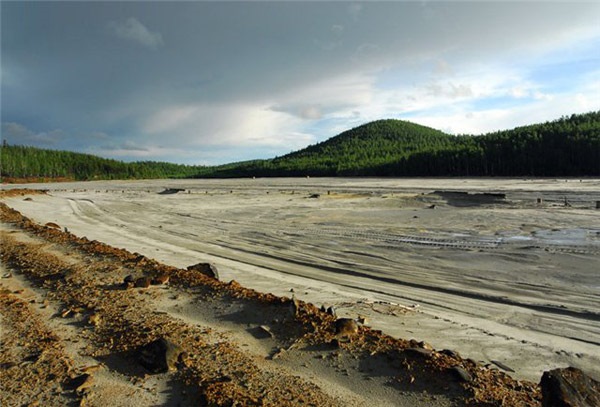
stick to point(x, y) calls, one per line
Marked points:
point(21, 163)
point(569, 146)
point(368, 146)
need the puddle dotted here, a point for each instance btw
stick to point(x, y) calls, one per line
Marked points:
point(576, 236)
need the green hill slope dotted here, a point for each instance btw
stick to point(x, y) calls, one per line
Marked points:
point(569, 146)
point(363, 150)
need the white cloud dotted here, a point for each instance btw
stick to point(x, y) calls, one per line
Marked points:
point(365, 51)
point(331, 93)
point(442, 68)
point(98, 135)
point(449, 90)
point(519, 92)
point(469, 120)
point(337, 29)
point(134, 31)
point(305, 112)
point(127, 145)
point(130, 150)
point(227, 125)
point(333, 40)
point(311, 113)
point(15, 133)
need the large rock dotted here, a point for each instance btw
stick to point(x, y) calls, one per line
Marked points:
point(569, 387)
point(207, 269)
point(160, 355)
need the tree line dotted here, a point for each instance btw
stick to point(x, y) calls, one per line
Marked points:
point(569, 146)
point(31, 162)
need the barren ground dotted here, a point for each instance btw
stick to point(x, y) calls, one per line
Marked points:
point(504, 280)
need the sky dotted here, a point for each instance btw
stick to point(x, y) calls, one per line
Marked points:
point(217, 82)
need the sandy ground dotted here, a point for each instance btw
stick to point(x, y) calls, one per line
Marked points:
point(503, 279)
point(74, 334)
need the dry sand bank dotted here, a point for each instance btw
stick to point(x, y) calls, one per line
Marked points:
point(72, 335)
point(499, 279)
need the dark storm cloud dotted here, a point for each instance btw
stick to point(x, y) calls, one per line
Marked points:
point(170, 77)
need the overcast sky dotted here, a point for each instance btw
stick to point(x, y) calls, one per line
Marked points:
point(217, 82)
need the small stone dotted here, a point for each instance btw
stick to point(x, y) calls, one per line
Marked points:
point(419, 351)
point(346, 327)
point(266, 330)
point(94, 319)
point(160, 279)
point(425, 345)
point(503, 366)
point(81, 382)
point(208, 269)
point(142, 282)
point(450, 352)
point(461, 374)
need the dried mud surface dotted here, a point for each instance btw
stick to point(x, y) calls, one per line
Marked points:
point(71, 334)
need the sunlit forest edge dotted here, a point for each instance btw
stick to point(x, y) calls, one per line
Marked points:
point(569, 146)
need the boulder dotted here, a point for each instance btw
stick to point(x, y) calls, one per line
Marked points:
point(160, 355)
point(569, 387)
point(207, 269)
